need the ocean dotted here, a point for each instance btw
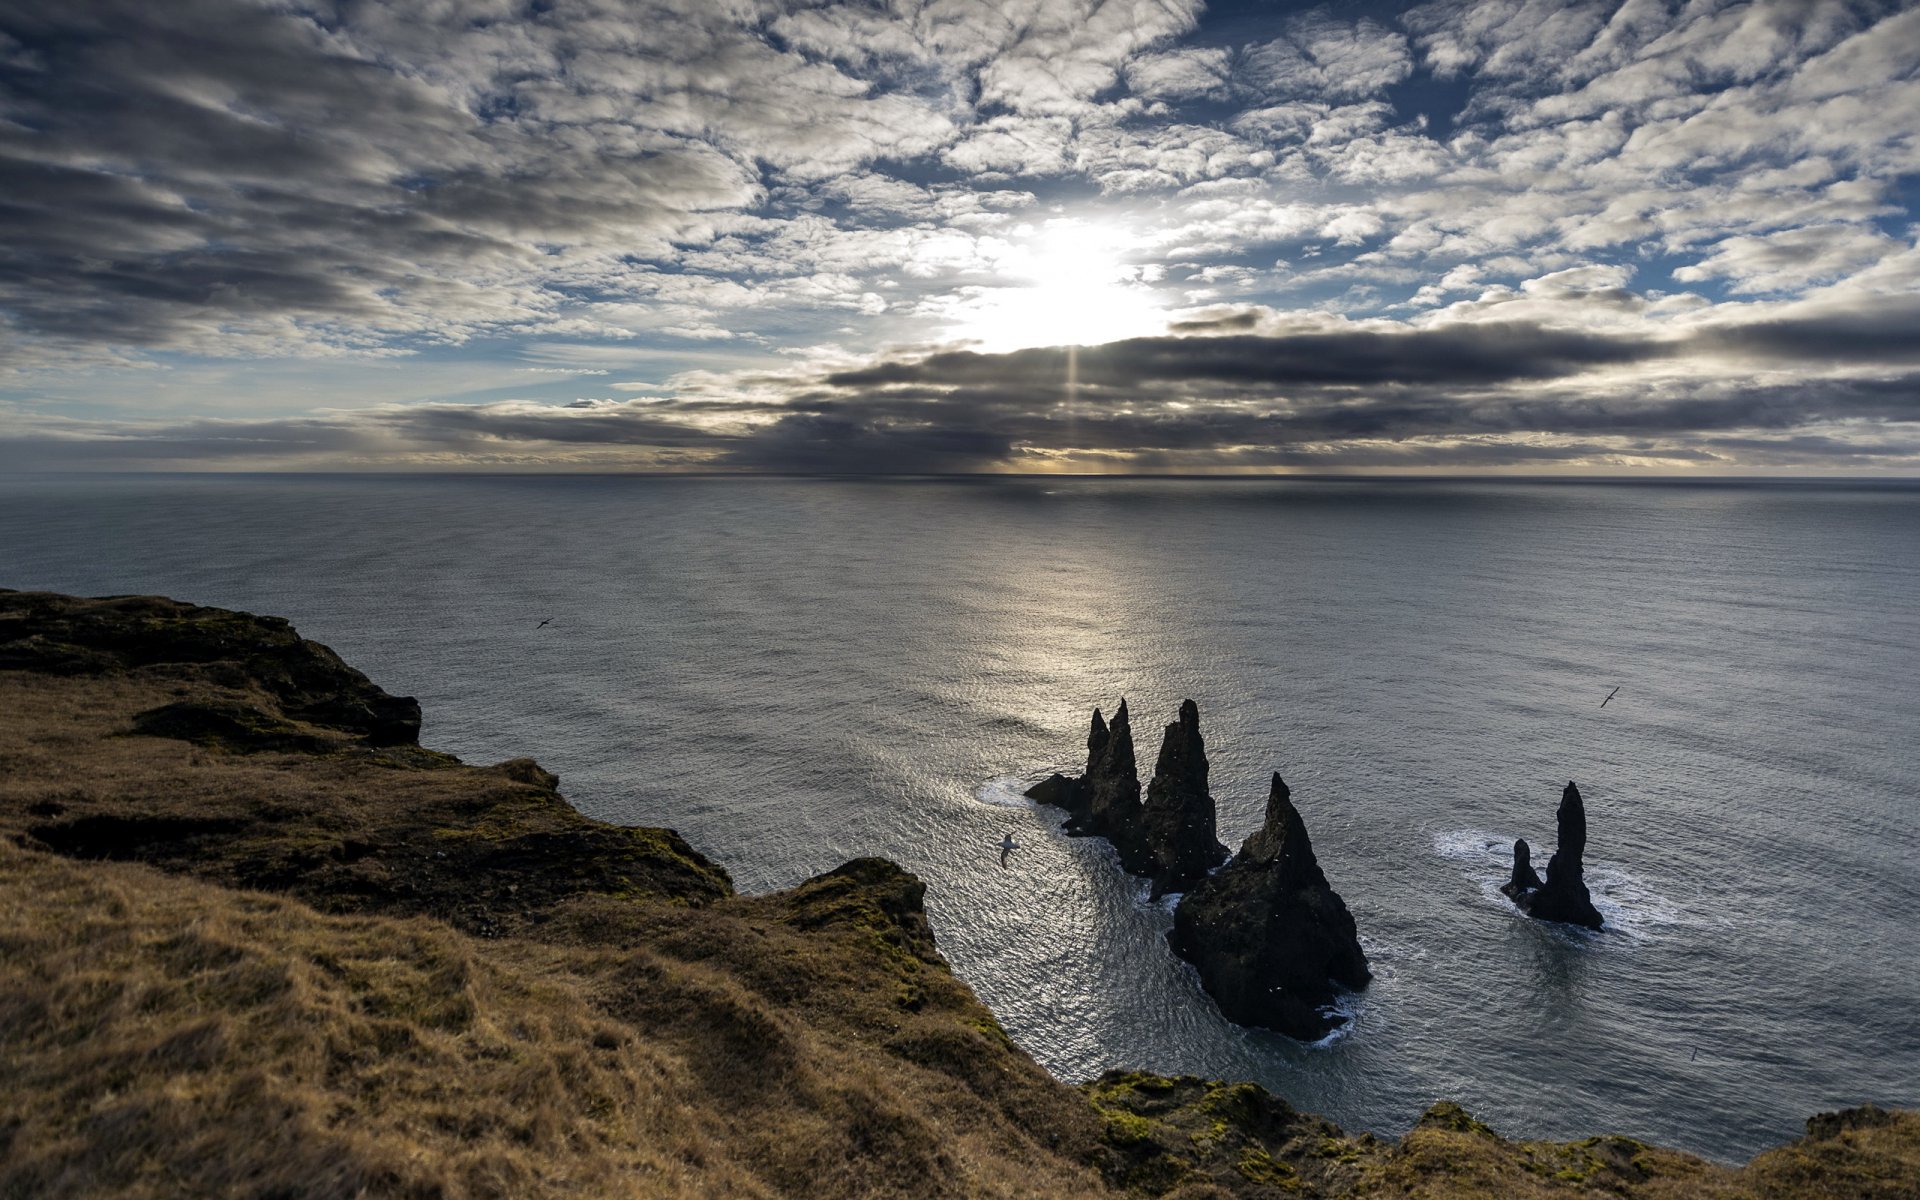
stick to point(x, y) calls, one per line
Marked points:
point(794, 672)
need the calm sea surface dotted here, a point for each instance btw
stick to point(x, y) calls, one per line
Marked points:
point(793, 673)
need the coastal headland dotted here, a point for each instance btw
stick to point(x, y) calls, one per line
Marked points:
point(257, 941)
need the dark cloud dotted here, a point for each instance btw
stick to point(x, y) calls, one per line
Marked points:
point(1474, 354)
point(1501, 395)
point(832, 443)
point(1881, 329)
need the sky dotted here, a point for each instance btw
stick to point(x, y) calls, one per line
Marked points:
point(1143, 236)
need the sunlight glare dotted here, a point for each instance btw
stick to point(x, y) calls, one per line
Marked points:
point(1073, 289)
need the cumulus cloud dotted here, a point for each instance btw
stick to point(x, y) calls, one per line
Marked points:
point(1321, 56)
point(1791, 258)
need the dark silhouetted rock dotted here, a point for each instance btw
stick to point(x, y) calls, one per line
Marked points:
point(1104, 802)
point(1270, 938)
point(1178, 819)
point(1524, 878)
point(1056, 789)
point(1563, 896)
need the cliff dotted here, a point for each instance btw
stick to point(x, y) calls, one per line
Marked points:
point(258, 942)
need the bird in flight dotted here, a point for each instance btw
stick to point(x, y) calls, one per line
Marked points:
point(1610, 695)
point(543, 624)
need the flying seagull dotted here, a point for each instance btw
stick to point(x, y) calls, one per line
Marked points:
point(543, 624)
point(1610, 695)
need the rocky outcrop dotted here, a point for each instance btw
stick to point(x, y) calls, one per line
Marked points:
point(66, 635)
point(1272, 941)
point(1524, 878)
point(1563, 895)
point(1104, 802)
point(1177, 821)
point(1170, 838)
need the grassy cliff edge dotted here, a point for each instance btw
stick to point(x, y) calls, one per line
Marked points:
point(255, 941)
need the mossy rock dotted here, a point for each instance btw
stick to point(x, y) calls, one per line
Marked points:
point(228, 725)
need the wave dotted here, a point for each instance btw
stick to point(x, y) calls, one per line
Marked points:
point(1347, 1006)
point(1006, 791)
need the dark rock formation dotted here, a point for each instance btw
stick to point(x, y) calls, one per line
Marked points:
point(1563, 896)
point(1104, 802)
point(1177, 821)
point(1524, 878)
point(1269, 937)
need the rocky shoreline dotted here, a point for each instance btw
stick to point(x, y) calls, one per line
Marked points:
point(259, 942)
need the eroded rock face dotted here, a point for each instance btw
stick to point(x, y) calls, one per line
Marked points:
point(1177, 820)
point(1110, 789)
point(1563, 896)
point(1104, 802)
point(1273, 942)
point(1524, 879)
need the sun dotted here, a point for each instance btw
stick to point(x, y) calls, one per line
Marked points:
point(1066, 283)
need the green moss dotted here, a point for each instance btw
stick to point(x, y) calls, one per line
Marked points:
point(1451, 1117)
point(1126, 1129)
point(1233, 1102)
point(990, 1028)
point(1112, 1087)
point(1336, 1149)
point(1257, 1166)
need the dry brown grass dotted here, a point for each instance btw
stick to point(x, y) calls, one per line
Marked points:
point(305, 966)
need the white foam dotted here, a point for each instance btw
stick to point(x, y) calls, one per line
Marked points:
point(1346, 1005)
point(1473, 845)
point(1005, 792)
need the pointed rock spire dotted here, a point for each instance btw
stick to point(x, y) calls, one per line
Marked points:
point(1564, 895)
point(1283, 841)
point(1098, 737)
point(1524, 879)
point(1571, 820)
point(1269, 937)
point(1104, 802)
point(1178, 819)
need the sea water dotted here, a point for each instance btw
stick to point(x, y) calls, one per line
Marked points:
point(795, 672)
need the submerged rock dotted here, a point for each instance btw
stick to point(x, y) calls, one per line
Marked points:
point(1178, 818)
point(1563, 896)
point(1271, 939)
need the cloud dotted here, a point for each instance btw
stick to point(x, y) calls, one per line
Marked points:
point(1791, 259)
point(1322, 56)
point(1431, 225)
point(1182, 74)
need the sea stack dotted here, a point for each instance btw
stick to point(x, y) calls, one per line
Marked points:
point(1563, 896)
point(1524, 878)
point(1178, 818)
point(1269, 937)
point(1104, 802)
